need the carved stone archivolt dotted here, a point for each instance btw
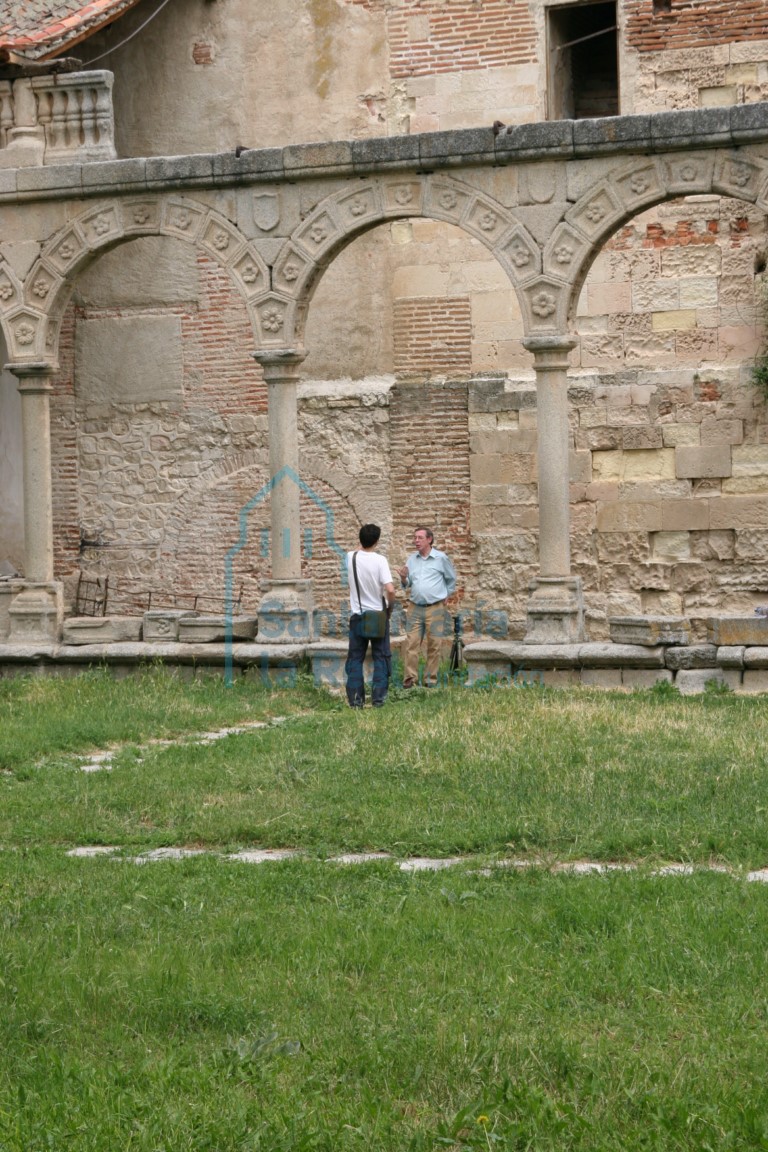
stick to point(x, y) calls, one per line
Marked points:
point(545, 267)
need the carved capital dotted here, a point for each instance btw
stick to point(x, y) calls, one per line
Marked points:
point(34, 378)
point(550, 353)
point(280, 363)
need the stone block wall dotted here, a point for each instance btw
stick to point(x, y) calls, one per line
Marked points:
point(669, 502)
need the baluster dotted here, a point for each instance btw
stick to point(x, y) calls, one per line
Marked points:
point(88, 119)
point(105, 120)
point(6, 111)
point(58, 124)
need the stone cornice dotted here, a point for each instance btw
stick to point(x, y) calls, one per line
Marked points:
point(563, 140)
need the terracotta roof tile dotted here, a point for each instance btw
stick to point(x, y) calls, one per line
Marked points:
point(40, 29)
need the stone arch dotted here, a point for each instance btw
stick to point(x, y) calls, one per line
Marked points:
point(352, 499)
point(631, 189)
point(280, 315)
point(31, 311)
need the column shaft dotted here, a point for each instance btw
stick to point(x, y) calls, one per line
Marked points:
point(551, 365)
point(35, 389)
point(281, 373)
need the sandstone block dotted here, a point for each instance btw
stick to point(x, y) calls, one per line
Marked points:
point(691, 656)
point(711, 461)
point(213, 629)
point(756, 657)
point(754, 680)
point(675, 435)
point(671, 545)
point(639, 678)
point(724, 431)
point(684, 515)
point(101, 629)
point(580, 467)
point(601, 677)
point(162, 624)
point(641, 437)
point(621, 517)
point(597, 655)
point(677, 319)
point(692, 682)
point(731, 656)
point(656, 295)
point(738, 512)
point(750, 631)
point(750, 459)
point(649, 631)
point(6, 592)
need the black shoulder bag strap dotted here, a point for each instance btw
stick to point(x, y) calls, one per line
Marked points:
point(357, 582)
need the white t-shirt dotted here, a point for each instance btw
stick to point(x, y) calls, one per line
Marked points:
point(372, 574)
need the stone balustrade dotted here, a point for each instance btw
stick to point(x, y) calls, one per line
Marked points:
point(64, 118)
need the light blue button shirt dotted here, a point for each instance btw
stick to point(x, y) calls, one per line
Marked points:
point(431, 577)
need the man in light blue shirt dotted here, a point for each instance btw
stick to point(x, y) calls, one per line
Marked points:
point(430, 578)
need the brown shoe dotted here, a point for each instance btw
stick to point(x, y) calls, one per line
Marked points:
point(409, 683)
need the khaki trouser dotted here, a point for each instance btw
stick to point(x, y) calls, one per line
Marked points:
point(430, 622)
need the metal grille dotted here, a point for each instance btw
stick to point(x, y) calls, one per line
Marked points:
point(97, 595)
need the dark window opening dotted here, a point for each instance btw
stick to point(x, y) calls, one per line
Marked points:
point(583, 61)
point(661, 6)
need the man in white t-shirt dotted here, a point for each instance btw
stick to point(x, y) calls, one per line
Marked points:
point(370, 590)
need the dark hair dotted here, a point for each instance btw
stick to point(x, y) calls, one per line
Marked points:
point(423, 528)
point(369, 535)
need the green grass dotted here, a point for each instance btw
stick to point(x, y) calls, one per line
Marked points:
point(209, 1005)
point(500, 772)
point(221, 1006)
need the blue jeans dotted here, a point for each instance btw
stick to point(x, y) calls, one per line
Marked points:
point(382, 665)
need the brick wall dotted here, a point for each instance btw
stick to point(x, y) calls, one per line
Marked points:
point(431, 36)
point(433, 335)
point(429, 469)
point(694, 23)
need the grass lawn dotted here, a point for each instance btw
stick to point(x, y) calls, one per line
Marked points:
point(208, 1005)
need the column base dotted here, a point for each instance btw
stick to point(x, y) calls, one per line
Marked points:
point(285, 613)
point(555, 611)
point(36, 613)
point(25, 148)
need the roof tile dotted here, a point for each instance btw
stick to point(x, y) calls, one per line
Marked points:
point(40, 29)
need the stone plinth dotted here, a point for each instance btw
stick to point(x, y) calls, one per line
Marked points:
point(286, 612)
point(6, 595)
point(649, 630)
point(734, 630)
point(555, 611)
point(214, 629)
point(101, 630)
point(162, 624)
point(36, 612)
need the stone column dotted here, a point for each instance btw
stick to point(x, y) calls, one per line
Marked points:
point(37, 609)
point(285, 613)
point(555, 606)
